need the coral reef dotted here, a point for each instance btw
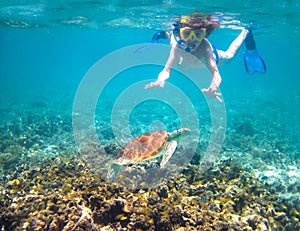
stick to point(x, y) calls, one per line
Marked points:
point(254, 185)
point(31, 139)
point(65, 195)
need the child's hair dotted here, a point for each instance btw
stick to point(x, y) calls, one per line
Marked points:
point(199, 20)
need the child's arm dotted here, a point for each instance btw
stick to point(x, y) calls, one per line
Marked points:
point(164, 75)
point(210, 62)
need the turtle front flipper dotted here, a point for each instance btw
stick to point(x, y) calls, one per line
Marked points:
point(113, 171)
point(168, 152)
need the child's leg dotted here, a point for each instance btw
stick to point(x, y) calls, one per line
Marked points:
point(228, 55)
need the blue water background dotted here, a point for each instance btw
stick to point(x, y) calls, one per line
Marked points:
point(43, 59)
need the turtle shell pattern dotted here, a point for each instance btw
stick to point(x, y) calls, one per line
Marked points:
point(143, 147)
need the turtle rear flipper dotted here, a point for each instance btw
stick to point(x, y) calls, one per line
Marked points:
point(113, 171)
point(169, 151)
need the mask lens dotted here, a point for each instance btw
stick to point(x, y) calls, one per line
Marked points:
point(187, 34)
point(199, 33)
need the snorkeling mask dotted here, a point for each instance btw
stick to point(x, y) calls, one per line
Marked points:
point(182, 33)
point(187, 33)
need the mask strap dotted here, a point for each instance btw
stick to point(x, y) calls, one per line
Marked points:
point(180, 42)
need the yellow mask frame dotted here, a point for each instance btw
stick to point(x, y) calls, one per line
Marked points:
point(187, 33)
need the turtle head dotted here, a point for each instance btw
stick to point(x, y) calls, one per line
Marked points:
point(179, 133)
point(184, 131)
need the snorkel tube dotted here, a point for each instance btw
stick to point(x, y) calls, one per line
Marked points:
point(176, 28)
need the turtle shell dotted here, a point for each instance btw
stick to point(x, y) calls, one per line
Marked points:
point(142, 148)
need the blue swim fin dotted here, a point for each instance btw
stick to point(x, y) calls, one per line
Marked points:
point(253, 61)
point(159, 35)
point(155, 39)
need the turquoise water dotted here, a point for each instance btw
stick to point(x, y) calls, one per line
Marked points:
point(47, 48)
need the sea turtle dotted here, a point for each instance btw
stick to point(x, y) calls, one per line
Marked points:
point(145, 147)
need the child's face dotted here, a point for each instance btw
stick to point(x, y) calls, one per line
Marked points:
point(192, 36)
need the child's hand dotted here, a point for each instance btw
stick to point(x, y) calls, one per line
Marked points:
point(155, 84)
point(212, 93)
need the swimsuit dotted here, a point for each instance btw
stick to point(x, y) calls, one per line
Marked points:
point(215, 51)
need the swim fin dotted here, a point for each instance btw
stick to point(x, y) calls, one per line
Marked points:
point(155, 39)
point(253, 61)
point(159, 35)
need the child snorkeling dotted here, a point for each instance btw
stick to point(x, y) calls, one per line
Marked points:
point(190, 33)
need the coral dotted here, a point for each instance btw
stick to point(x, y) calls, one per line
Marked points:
point(245, 128)
point(65, 195)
